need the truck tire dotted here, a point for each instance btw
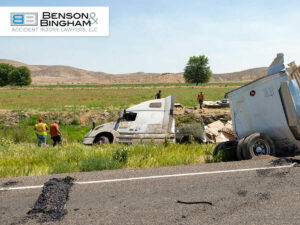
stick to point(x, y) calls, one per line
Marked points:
point(239, 149)
point(218, 148)
point(229, 146)
point(101, 140)
point(258, 144)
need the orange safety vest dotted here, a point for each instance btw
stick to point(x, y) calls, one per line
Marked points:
point(41, 129)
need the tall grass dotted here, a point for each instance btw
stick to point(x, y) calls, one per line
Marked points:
point(28, 160)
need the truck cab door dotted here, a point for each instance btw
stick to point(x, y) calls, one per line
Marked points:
point(127, 127)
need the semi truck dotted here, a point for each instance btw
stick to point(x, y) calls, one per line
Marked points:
point(148, 121)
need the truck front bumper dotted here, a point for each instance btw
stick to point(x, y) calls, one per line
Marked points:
point(88, 141)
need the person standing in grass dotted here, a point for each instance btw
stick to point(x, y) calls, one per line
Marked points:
point(55, 133)
point(200, 99)
point(41, 132)
point(158, 95)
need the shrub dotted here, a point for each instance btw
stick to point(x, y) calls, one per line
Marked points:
point(121, 155)
point(195, 130)
point(186, 119)
point(75, 121)
point(19, 135)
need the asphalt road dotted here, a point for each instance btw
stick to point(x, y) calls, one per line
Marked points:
point(221, 193)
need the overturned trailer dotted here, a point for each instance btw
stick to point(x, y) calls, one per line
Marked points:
point(149, 121)
point(266, 114)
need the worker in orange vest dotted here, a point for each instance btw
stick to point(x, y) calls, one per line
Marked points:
point(200, 99)
point(41, 132)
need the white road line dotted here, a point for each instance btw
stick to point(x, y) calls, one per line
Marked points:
point(154, 177)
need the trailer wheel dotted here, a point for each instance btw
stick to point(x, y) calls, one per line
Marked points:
point(258, 144)
point(102, 140)
point(239, 150)
point(229, 146)
point(218, 148)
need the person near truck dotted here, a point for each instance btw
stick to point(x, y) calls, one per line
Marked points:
point(41, 132)
point(200, 99)
point(158, 95)
point(55, 133)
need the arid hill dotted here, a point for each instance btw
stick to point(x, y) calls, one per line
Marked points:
point(70, 75)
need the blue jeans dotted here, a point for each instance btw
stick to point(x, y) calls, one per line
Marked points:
point(41, 139)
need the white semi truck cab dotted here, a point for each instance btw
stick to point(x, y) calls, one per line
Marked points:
point(148, 121)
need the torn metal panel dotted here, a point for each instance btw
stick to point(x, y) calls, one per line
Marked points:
point(277, 65)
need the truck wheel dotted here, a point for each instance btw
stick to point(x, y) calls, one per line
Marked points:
point(218, 148)
point(102, 140)
point(258, 144)
point(239, 149)
point(229, 146)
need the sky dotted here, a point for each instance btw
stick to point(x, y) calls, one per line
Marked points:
point(160, 35)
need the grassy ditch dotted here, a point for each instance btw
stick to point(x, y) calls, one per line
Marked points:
point(26, 159)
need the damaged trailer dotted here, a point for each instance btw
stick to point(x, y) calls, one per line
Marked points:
point(146, 122)
point(266, 114)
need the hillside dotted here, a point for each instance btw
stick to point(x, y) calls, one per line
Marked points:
point(70, 75)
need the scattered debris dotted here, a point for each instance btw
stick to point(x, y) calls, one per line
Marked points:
point(281, 174)
point(284, 161)
point(178, 105)
point(186, 111)
point(51, 202)
point(264, 173)
point(242, 193)
point(194, 203)
point(263, 196)
point(217, 132)
point(9, 183)
point(216, 104)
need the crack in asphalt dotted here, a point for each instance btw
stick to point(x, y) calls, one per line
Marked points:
point(194, 203)
point(9, 183)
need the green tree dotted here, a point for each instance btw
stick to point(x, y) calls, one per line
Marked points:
point(5, 69)
point(20, 76)
point(197, 70)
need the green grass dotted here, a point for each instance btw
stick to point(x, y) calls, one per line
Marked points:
point(27, 159)
point(137, 85)
point(83, 98)
point(25, 133)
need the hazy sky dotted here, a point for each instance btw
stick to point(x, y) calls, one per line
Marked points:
point(160, 35)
